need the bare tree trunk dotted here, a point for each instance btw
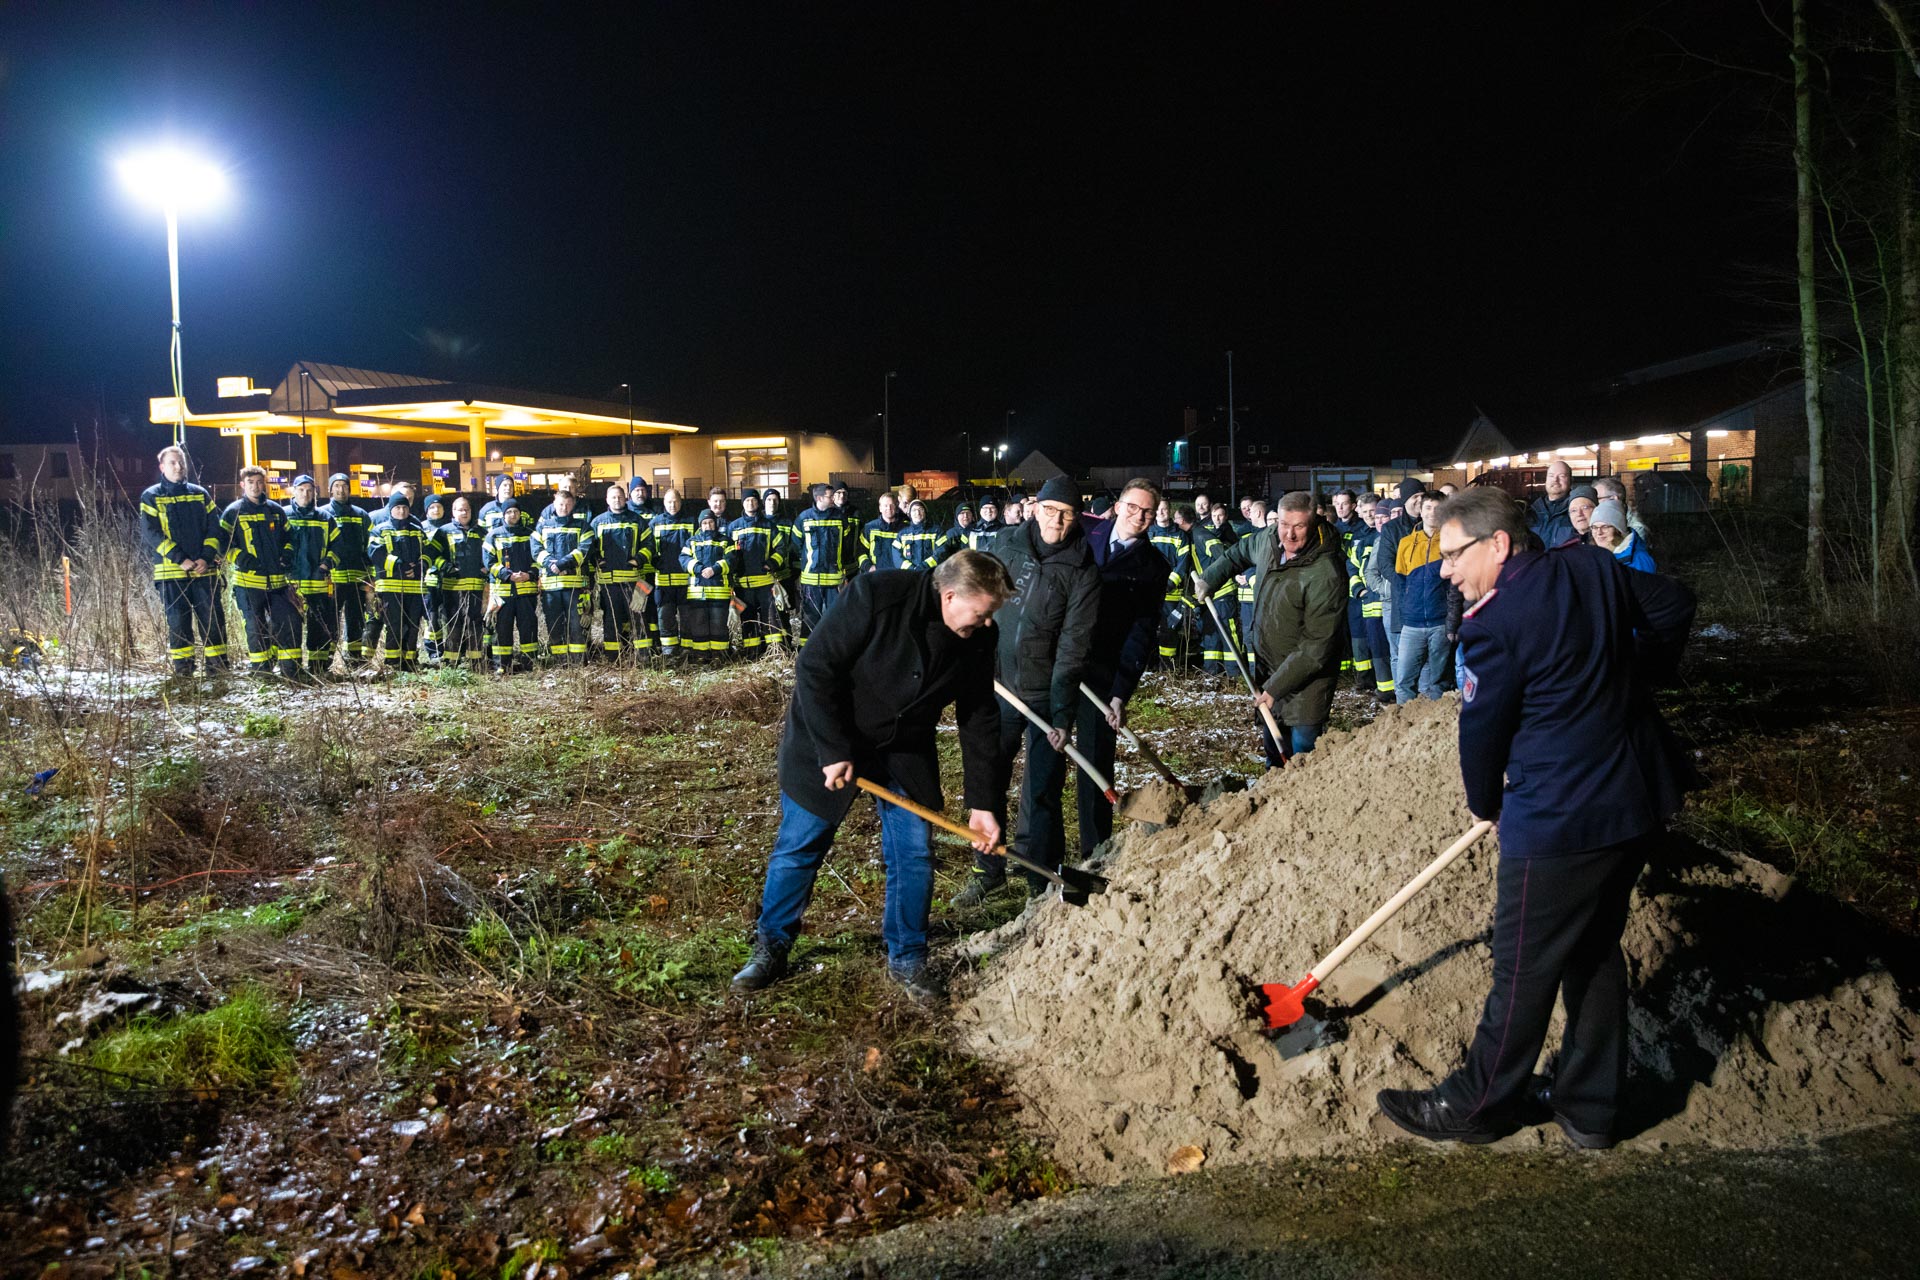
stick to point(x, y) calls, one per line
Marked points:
point(1809, 306)
point(1903, 426)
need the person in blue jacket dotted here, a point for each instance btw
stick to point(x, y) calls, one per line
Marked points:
point(1561, 744)
point(1612, 530)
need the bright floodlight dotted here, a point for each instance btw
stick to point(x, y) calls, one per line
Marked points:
point(172, 179)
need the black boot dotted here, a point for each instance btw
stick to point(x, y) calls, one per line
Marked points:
point(1425, 1114)
point(767, 964)
point(980, 885)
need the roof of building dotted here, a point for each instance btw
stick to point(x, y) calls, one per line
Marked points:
point(401, 407)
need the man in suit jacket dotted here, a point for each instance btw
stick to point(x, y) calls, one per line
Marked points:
point(1559, 741)
point(894, 652)
point(1133, 578)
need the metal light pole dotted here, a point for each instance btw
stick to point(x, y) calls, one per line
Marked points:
point(886, 424)
point(1005, 431)
point(1233, 451)
point(966, 453)
point(170, 178)
point(628, 388)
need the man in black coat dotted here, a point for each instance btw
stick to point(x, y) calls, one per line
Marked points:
point(1133, 579)
point(1560, 742)
point(893, 653)
point(1046, 635)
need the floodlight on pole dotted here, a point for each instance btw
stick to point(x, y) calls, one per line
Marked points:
point(171, 179)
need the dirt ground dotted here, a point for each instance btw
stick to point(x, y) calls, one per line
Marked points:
point(480, 935)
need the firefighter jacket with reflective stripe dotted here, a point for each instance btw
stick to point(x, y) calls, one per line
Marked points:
point(311, 535)
point(980, 537)
point(951, 541)
point(1359, 547)
point(462, 562)
point(255, 536)
point(622, 545)
point(1172, 542)
point(352, 528)
point(821, 537)
point(508, 551)
point(919, 546)
point(562, 545)
point(400, 554)
point(710, 550)
point(880, 544)
point(494, 514)
point(757, 546)
point(850, 546)
point(671, 534)
point(179, 524)
point(433, 528)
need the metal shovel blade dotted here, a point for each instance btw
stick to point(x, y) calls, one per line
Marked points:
point(1285, 1004)
point(1077, 884)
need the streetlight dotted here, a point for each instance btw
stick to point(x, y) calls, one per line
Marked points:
point(994, 456)
point(173, 179)
point(886, 424)
point(628, 388)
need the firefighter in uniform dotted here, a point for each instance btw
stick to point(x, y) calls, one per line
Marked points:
point(507, 554)
point(820, 537)
point(622, 547)
point(958, 535)
point(400, 552)
point(1363, 607)
point(1171, 541)
point(1244, 582)
point(757, 546)
point(352, 529)
point(880, 538)
point(712, 566)
point(312, 539)
point(980, 537)
point(253, 529)
point(1203, 549)
point(436, 519)
point(786, 579)
point(463, 585)
point(919, 542)
point(562, 543)
point(1373, 608)
point(672, 530)
point(183, 536)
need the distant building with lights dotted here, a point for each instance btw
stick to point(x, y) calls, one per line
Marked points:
point(382, 427)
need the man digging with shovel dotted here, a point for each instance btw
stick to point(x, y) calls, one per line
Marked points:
point(897, 649)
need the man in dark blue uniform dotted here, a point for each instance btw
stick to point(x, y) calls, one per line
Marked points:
point(1560, 742)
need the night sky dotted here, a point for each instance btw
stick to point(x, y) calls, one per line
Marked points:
point(753, 213)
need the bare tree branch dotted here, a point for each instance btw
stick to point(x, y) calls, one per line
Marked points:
point(1899, 25)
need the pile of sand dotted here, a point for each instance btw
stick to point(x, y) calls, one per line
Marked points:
point(1761, 1013)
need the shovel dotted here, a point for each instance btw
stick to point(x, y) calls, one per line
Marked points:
point(1284, 1007)
point(1189, 790)
point(1086, 765)
point(1074, 883)
point(1266, 713)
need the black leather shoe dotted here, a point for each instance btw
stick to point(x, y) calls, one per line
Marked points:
point(767, 964)
point(1424, 1114)
point(1542, 1092)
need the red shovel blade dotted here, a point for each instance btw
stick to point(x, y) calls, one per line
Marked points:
point(1284, 1007)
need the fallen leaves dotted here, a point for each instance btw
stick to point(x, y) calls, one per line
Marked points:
point(1186, 1160)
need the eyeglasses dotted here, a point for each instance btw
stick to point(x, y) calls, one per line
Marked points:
point(1453, 556)
point(1134, 507)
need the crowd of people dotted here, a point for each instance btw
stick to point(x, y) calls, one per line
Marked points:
point(1036, 626)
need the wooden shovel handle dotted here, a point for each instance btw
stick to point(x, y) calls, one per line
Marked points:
point(1266, 713)
point(1335, 957)
point(1073, 753)
point(945, 823)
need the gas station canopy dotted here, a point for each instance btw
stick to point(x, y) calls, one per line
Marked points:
point(326, 400)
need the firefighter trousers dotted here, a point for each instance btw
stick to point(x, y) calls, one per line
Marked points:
point(566, 628)
point(272, 625)
point(191, 605)
point(759, 625)
point(401, 613)
point(815, 600)
point(621, 629)
point(514, 621)
point(320, 625)
point(459, 614)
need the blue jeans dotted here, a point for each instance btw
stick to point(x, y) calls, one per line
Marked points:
point(1420, 661)
point(801, 846)
point(1300, 739)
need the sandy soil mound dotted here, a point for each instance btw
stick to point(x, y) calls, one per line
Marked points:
point(1761, 1013)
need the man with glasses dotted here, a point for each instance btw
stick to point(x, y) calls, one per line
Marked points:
point(1554, 639)
point(1133, 576)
